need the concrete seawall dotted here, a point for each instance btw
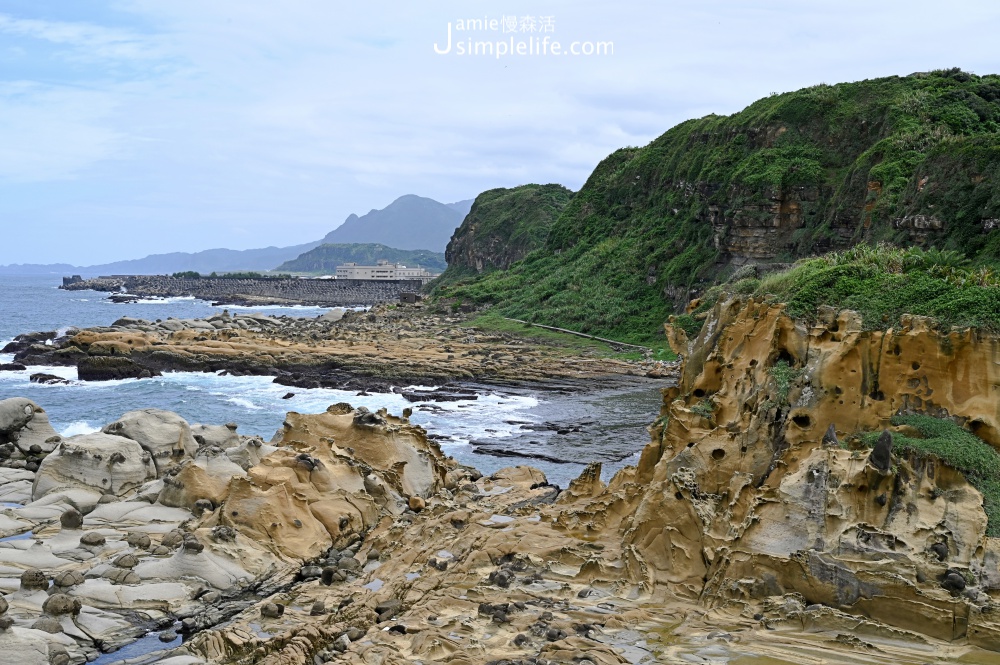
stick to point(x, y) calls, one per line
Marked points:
point(260, 291)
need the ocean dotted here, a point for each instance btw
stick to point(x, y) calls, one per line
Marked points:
point(510, 426)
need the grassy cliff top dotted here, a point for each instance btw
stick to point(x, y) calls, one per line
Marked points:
point(911, 160)
point(881, 282)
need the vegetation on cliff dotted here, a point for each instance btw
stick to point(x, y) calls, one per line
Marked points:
point(977, 460)
point(911, 160)
point(881, 282)
point(503, 227)
point(325, 258)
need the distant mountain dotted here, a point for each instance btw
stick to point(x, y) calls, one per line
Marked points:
point(325, 258)
point(409, 222)
point(462, 207)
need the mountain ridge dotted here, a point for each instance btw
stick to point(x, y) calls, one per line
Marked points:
point(258, 259)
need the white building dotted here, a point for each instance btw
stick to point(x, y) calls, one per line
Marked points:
point(383, 270)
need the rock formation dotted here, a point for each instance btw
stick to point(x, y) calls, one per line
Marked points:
point(750, 527)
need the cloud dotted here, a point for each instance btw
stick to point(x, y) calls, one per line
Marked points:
point(186, 124)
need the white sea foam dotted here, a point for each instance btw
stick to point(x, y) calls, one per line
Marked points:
point(79, 427)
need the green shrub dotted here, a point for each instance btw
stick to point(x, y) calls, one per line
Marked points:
point(978, 461)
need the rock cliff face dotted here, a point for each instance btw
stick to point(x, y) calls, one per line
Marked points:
point(503, 227)
point(746, 493)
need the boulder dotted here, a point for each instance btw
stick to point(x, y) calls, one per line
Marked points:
point(110, 368)
point(163, 434)
point(25, 424)
point(97, 463)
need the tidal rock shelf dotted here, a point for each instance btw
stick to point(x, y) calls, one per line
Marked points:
point(253, 292)
point(375, 350)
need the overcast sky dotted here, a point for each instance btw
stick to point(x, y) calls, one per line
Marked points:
point(130, 127)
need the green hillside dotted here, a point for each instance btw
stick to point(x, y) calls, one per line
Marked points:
point(503, 227)
point(913, 160)
point(325, 258)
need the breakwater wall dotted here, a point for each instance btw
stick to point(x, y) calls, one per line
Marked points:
point(256, 291)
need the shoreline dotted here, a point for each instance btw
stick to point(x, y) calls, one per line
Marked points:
point(251, 292)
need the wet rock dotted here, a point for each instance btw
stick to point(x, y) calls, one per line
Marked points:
point(71, 519)
point(167, 636)
point(111, 368)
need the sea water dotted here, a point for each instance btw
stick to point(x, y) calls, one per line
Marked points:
point(523, 425)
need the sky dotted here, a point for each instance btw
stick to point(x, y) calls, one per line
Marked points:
point(132, 127)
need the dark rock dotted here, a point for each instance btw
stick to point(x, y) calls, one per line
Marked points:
point(139, 540)
point(71, 519)
point(47, 379)
point(349, 563)
point(272, 610)
point(202, 506)
point(60, 603)
point(327, 577)
point(6, 623)
point(310, 572)
point(830, 438)
point(223, 534)
point(940, 550)
point(167, 636)
point(318, 608)
point(192, 544)
point(881, 456)
point(555, 634)
point(953, 581)
point(12, 367)
point(68, 578)
point(109, 368)
point(390, 607)
point(92, 539)
point(374, 554)
point(34, 580)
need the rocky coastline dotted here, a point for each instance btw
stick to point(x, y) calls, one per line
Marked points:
point(251, 292)
point(379, 350)
point(760, 523)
